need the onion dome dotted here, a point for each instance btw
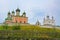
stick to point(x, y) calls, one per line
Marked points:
point(9, 13)
point(47, 16)
point(13, 12)
point(17, 10)
point(24, 12)
point(52, 17)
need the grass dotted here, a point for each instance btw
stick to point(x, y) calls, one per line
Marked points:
point(33, 31)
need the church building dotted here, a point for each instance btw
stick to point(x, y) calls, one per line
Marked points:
point(38, 23)
point(16, 17)
point(48, 21)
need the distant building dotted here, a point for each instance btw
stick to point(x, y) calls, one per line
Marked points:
point(37, 23)
point(48, 21)
point(16, 17)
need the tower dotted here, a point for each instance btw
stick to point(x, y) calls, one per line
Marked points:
point(9, 14)
point(8, 19)
point(53, 21)
point(44, 20)
point(37, 23)
point(52, 18)
point(47, 17)
point(17, 12)
point(13, 13)
point(24, 14)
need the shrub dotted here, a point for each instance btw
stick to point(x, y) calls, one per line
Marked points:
point(17, 27)
point(5, 27)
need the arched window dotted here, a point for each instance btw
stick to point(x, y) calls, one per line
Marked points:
point(16, 21)
point(24, 22)
point(20, 21)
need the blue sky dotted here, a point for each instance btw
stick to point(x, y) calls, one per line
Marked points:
point(35, 9)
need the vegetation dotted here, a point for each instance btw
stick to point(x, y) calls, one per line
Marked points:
point(28, 31)
point(17, 27)
point(5, 27)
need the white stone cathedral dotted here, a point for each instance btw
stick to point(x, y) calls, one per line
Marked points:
point(48, 21)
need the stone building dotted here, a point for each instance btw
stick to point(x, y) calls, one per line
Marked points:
point(48, 21)
point(16, 17)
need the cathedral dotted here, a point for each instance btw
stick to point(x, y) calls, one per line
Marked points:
point(48, 21)
point(16, 17)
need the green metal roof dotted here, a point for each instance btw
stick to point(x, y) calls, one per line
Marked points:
point(8, 19)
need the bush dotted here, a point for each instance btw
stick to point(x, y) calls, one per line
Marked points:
point(5, 27)
point(17, 27)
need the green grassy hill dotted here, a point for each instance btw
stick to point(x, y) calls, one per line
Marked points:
point(29, 31)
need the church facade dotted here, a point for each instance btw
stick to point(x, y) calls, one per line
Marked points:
point(48, 21)
point(16, 17)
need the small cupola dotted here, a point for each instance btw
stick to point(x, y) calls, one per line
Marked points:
point(9, 13)
point(13, 12)
point(17, 12)
point(47, 17)
point(24, 14)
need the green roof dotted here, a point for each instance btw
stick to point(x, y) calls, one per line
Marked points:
point(8, 19)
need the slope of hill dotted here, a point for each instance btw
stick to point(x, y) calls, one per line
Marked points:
point(29, 31)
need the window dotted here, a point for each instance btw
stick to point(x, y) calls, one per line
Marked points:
point(20, 21)
point(52, 22)
point(49, 21)
point(24, 22)
point(16, 21)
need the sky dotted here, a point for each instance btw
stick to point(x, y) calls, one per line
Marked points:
point(35, 9)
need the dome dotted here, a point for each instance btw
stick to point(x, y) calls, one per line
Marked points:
point(24, 13)
point(8, 13)
point(47, 16)
point(13, 12)
point(18, 10)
